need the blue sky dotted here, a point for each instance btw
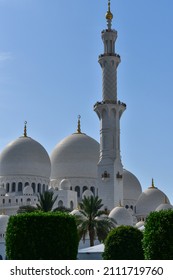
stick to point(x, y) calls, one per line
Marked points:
point(49, 74)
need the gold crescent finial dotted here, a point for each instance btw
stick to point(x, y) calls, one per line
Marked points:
point(152, 184)
point(109, 15)
point(79, 125)
point(25, 129)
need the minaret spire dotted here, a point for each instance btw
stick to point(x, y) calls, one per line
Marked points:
point(109, 15)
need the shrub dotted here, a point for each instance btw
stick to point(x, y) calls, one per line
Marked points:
point(158, 236)
point(124, 243)
point(41, 236)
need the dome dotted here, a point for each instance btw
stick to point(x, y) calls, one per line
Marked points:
point(2, 191)
point(75, 156)
point(139, 224)
point(131, 186)
point(65, 184)
point(164, 206)
point(28, 190)
point(121, 216)
point(3, 223)
point(149, 200)
point(87, 193)
point(24, 156)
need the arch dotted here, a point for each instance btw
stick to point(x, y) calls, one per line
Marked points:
point(60, 203)
point(20, 185)
point(39, 188)
point(28, 201)
point(7, 187)
point(33, 186)
point(1, 258)
point(77, 189)
point(71, 205)
point(13, 187)
point(92, 189)
point(84, 189)
point(26, 184)
point(44, 188)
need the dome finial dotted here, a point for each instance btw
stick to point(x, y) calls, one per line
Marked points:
point(79, 126)
point(152, 184)
point(25, 129)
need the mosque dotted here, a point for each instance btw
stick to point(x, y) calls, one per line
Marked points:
point(80, 166)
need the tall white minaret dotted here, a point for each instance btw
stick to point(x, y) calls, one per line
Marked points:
point(109, 111)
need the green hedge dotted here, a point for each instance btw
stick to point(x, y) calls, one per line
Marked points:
point(158, 236)
point(42, 236)
point(124, 243)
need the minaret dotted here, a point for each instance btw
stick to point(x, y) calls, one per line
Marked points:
point(109, 111)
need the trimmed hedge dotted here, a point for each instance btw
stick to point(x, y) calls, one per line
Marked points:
point(158, 236)
point(124, 243)
point(42, 236)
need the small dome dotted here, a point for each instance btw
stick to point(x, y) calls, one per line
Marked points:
point(3, 223)
point(2, 191)
point(149, 200)
point(164, 206)
point(87, 193)
point(139, 224)
point(75, 156)
point(28, 190)
point(24, 156)
point(131, 186)
point(65, 184)
point(121, 216)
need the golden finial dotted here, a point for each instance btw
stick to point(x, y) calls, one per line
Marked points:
point(78, 125)
point(120, 205)
point(152, 184)
point(109, 15)
point(165, 200)
point(25, 129)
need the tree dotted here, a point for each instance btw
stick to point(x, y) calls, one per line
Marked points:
point(46, 201)
point(158, 236)
point(124, 243)
point(92, 220)
point(26, 209)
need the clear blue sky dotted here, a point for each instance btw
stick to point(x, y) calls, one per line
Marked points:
point(49, 74)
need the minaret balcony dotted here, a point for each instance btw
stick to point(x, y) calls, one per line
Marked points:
point(109, 102)
point(109, 54)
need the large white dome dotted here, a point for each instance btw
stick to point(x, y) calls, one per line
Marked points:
point(75, 156)
point(131, 186)
point(122, 216)
point(25, 156)
point(149, 200)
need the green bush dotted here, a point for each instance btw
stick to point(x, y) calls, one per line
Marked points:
point(124, 243)
point(41, 236)
point(158, 236)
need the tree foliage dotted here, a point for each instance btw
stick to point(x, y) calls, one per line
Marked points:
point(92, 220)
point(46, 201)
point(158, 236)
point(41, 236)
point(26, 208)
point(124, 243)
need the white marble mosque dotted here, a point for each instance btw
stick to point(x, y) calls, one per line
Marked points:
point(80, 166)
